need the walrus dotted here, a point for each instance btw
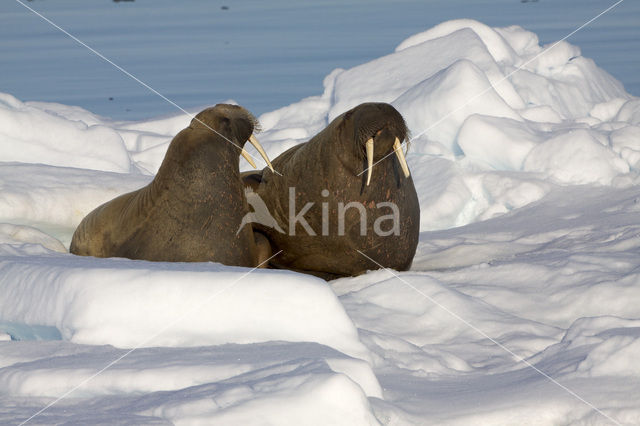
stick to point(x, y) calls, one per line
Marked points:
point(192, 210)
point(339, 193)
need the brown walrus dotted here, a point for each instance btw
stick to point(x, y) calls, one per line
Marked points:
point(332, 198)
point(192, 209)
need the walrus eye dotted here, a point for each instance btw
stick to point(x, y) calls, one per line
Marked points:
point(397, 147)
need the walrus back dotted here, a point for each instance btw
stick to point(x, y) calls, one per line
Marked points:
point(100, 231)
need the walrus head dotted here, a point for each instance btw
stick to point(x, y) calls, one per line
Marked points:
point(234, 124)
point(378, 129)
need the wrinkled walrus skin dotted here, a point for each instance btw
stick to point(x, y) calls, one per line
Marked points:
point(334, 160)
point(191, 210)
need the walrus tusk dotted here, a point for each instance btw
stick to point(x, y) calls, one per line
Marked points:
point(247, 157)
point(257, 146)
point(397, 147)
point(369, 146)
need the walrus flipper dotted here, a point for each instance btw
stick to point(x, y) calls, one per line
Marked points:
point(251, 179)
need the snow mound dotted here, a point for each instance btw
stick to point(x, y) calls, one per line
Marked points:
point(229, 383)
point(160, 369)
point(20, 235)
point(56, 199)
point(45, 137)
point(576, 157)
point(326, 398)
point(489, 101)
point(163, 304)
point(553, 284)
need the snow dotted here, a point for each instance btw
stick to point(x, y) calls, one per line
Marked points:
point(520, 306)
point(45, 137)
point(284, 382)
point(200, 305)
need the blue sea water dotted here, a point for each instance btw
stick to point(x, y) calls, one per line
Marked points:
point(262, 54)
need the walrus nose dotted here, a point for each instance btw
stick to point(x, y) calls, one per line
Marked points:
point(397, 148)
point(258, 147)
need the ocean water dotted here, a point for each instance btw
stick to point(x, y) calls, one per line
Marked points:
point(263, 55)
